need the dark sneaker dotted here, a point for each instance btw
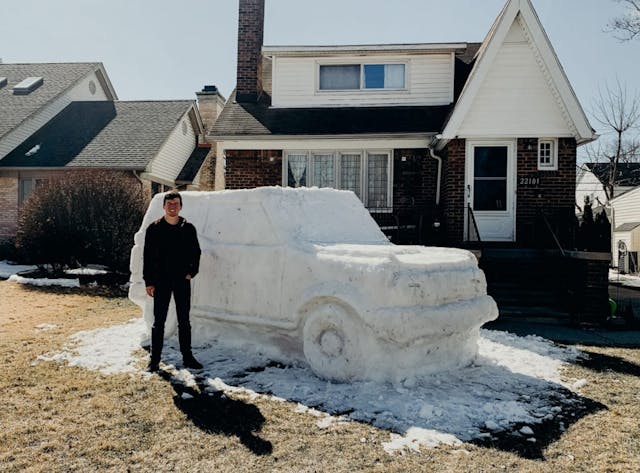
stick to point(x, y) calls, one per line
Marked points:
point(153, 367)
point(191, 362)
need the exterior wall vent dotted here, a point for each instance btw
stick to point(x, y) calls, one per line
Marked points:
point(3, 82)
point(27, 86)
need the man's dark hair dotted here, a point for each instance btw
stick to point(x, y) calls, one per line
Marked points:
point(172, 194)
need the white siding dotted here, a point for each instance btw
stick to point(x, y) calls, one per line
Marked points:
point(429, 81)
point(80, 91)
point(515, 99)
point(627, 207)
point(327, 144)
point(174, 153)
point(589, 185)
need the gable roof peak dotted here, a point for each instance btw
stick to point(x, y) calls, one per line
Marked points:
point(523, 12)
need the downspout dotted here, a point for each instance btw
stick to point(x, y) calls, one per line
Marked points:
point(439, 175)
point(135, 173)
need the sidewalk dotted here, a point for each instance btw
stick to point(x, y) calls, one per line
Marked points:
point(568, 335)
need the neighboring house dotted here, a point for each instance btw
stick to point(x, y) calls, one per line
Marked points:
point(59, 118)
point(625, 221)
point(422, 132)
point(593, 177)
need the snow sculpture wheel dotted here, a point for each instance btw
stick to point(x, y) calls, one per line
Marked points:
point(331, 343)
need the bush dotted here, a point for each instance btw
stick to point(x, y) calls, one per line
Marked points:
point(8, 250)
point(81, 218)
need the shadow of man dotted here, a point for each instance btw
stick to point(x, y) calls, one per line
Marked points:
point(215, 413)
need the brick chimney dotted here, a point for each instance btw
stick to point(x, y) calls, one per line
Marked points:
point(210, 104)
point(250, 36)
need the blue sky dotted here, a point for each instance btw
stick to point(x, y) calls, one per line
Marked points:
point(168, 49)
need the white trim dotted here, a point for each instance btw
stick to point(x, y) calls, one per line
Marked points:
point(553, 166)
point(511, 180)
point(357, 49)
point(287, 143)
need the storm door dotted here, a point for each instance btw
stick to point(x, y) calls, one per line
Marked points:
point(490, 190)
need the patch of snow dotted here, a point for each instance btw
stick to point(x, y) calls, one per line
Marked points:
point(33, 150)
point(628, 280)
point(87, 271)
point(514, 382)
point(44, 327)
point(108, 350)
point(8, 269)
point(45, 281)
point(526, 430)
point(581, 383)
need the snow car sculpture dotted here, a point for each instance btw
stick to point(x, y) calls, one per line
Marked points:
point(306, 274)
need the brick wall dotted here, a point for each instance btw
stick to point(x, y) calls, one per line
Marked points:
point(250, 37)
point(9, 206)
point(208, 171)
point(453, 191)
point(246, 169)
point(554, 195)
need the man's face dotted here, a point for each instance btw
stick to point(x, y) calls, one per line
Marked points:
point(172, 207)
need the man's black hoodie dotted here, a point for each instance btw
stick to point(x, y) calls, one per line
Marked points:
point(171, 252)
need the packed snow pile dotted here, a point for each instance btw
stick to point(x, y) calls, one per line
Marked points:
point(307, 275)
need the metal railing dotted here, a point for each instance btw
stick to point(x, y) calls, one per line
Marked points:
point(472, 226)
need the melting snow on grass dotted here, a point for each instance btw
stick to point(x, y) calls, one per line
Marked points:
point(513, 385)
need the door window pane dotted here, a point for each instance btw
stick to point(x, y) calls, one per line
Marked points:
point(384, 76)
point(490, 161)
point(350, 166)
point(297, 170)
point(377, 169)
point(490, 178)
point(340, 77)
point(324, 174)
point(490, 195)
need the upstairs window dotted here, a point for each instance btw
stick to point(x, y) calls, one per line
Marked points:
point(547, 155)
point(362, 76)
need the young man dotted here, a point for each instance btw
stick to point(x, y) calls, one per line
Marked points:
point(171, 260)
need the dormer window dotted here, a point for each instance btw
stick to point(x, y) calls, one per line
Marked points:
point(362, 77)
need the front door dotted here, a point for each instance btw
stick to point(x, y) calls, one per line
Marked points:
point(490, 189)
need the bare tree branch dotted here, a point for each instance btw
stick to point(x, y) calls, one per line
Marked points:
point(619, 114)
point(627, 26)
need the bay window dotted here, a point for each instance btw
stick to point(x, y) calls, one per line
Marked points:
point(367, 173)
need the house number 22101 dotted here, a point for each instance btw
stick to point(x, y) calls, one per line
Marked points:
point(529, 181)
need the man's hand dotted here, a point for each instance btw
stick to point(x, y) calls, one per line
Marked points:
point(188, 277)
point(151, 290)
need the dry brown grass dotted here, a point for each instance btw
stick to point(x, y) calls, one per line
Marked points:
point(60, 418)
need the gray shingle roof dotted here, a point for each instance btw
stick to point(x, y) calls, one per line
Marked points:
point(247, 119)
point(123, 135)
point(627, 227)
point(14, 109)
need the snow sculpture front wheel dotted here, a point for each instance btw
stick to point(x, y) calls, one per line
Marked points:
point(331, 343)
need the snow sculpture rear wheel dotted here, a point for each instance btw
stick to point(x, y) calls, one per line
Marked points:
point(331, 343)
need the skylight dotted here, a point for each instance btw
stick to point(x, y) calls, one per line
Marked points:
point(27, 86)
point(3, 82)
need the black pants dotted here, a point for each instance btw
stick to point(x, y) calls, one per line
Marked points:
point(181, 290)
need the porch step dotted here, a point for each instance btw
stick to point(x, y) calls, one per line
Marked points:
point(525, 283)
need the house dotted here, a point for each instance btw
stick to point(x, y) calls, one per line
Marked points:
point(592, 178)
point(453, 132)
point(59, 118)
point(625, 222)
point(458, 144)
